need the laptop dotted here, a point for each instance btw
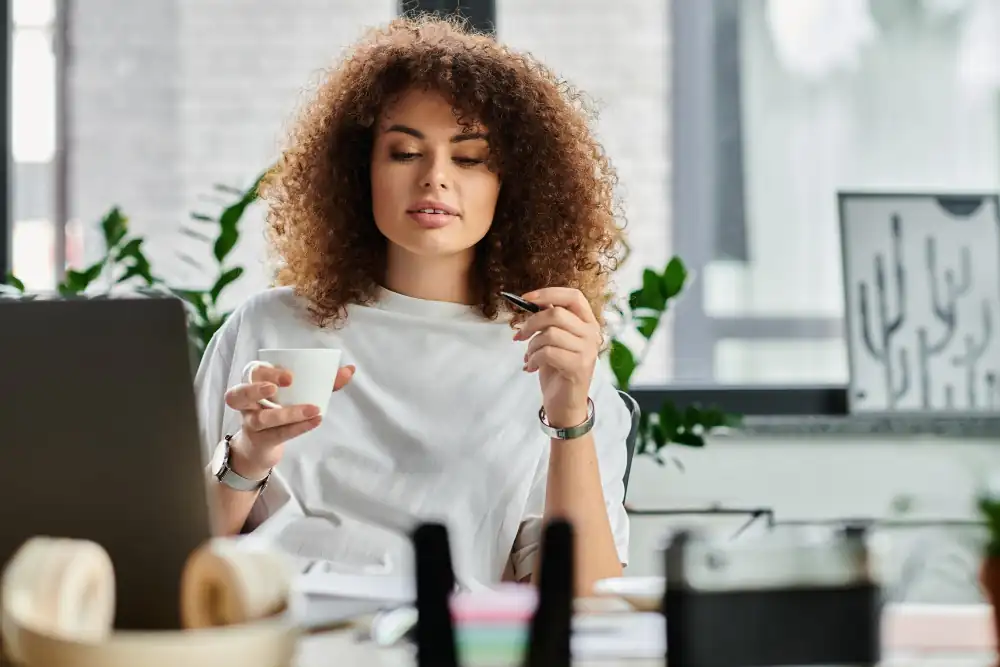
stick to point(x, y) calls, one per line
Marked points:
point(99, 440)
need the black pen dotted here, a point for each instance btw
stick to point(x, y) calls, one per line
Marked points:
point(521, 303)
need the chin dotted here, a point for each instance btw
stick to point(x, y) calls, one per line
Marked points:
point(442, 242)
point(434, 247)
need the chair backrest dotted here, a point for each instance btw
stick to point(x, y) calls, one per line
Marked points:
point(633, 433)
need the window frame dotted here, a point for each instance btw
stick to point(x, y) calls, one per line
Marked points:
point(708, 193)
point(7, 167)
point(481, 14)
point(22, 182)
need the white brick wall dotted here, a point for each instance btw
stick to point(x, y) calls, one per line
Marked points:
point(172, 96)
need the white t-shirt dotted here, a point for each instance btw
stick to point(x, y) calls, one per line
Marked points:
point(440, 422)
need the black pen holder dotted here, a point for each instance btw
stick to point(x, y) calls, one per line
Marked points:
point(771, 602)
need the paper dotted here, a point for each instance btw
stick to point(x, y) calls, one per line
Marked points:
point(631, 636)
point(386, 588)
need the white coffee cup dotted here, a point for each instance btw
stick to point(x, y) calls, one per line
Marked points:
point(314, 370)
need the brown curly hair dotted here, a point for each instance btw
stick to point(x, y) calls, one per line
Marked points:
point(556, 221)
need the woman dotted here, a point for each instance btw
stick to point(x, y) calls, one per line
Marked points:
point(432, 169)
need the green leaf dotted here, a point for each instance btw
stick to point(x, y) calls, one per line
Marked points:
point(228, 232)
point(224, 280)
point(15, 282)
point(660, 435)
point(138, 269)
point(642, 434)
point(77, 282)
point(670, 417)
point(114, 226)
point(650, 296)
point(229, 222)
point(622, 363)
point(635, 299)
point(674, 277)
point(652, 291)
point(131, 249)
point(196, 298)
point(694, 417)
point(646, 325)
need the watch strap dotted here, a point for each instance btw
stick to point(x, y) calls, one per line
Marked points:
point(226, 475)
point(571, 432)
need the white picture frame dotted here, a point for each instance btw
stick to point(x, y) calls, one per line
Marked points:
point(921, 275)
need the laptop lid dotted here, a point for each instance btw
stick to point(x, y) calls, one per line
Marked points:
point(99, 440)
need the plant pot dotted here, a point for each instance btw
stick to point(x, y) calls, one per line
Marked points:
point(989, 578)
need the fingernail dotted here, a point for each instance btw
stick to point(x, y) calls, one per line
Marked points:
point(529, 295)
point(524, 368)
point(310, 411)
point(269, 389)
point(285, 380)
point(517, 335)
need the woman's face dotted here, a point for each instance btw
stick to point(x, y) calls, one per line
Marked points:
point(432, 191)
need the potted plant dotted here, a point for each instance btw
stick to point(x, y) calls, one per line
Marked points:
point(123, 265)
point(640, 318)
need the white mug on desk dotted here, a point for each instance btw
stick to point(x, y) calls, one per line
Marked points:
point(314, 370)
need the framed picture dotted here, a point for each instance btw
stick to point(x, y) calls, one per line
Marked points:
point(922, 302)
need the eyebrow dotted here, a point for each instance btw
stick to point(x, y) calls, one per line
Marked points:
point(458, 138)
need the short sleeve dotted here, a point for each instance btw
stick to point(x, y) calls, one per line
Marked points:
point(221, 367)
point(613, 422)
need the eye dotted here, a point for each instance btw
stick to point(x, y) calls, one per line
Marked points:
point(468, 161)
point(404, 157)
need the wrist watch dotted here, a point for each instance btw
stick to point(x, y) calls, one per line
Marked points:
point(226, 475)
point(571, 432)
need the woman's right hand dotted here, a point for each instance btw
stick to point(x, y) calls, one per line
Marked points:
point(259, 444)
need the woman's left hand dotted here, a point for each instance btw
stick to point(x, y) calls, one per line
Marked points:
point(564, 351)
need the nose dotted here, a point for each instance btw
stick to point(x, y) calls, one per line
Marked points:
point(437, 175)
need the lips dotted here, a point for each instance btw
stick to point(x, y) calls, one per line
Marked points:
point(432, 220)
point(432, 214)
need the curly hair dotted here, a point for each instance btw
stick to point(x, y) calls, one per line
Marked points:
point(556, 222)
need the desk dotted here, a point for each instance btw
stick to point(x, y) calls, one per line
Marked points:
point(339, 648)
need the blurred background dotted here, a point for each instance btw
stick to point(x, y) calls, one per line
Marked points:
point(734, 124)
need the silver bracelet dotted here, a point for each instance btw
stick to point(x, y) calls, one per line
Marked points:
point(571, 432)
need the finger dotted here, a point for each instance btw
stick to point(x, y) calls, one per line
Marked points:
point(276, 375)
point(558, 317)
point(553, 357)
point(276, 436)
point(262, 420)
point(247, 396)
point(344, 376)
point(567, 297)
point(556, 338)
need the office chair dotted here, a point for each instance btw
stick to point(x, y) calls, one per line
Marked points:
point(633, 434)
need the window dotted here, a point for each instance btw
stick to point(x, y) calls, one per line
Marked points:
point(846, 95)
point(33, 141)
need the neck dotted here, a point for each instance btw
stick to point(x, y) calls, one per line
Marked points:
point(430, 278)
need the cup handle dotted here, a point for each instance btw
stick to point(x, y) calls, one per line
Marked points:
point(248, 379)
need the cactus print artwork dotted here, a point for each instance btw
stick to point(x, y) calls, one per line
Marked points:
point(922, 301)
